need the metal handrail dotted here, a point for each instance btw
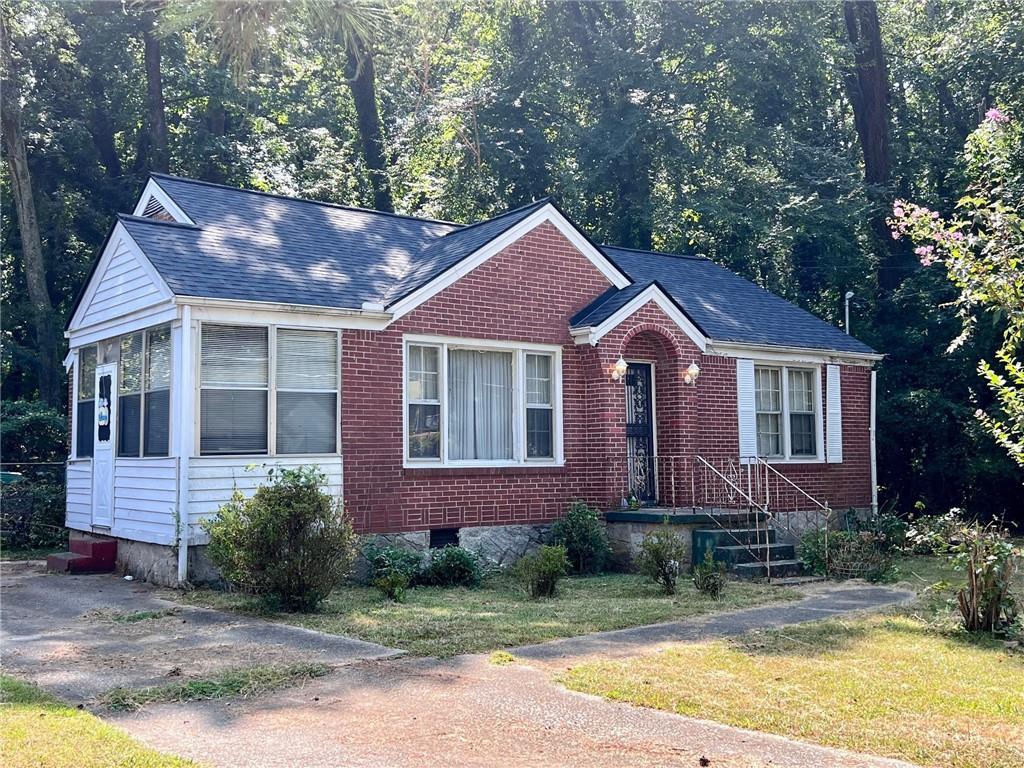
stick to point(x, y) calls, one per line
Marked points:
point(763, 508)
point(768, 467)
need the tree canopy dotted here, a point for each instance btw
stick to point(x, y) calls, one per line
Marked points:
point(771, 136)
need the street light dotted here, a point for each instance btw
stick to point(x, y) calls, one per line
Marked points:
point(846, 327)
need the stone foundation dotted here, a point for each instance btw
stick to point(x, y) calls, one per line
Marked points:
point(158, 563)
point(503, 544)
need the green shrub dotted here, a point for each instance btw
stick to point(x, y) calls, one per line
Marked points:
point(32, 432)
point(32, 515)
point(584, 538)
point(989, 560)
point(453, 566)
point(291, 542)
point(709, 576)
point(662, 553)
point(392, 569)
point(541, 571)
point(847, 554)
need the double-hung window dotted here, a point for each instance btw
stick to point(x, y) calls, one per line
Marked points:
point(144, 393)
point(85, 408)
point(786, 404)
point(268, 391)
point(473, 403)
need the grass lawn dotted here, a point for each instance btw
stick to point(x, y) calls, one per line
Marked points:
point(27, 554)
point(902, 684)
point(447, 622)
point(39, 731)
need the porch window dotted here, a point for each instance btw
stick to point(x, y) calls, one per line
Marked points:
point(485, 405)
point(271, 391)
point(785, 400)
point(307, 391)
point(85, 408)
point(144, 393)
point(234, 390)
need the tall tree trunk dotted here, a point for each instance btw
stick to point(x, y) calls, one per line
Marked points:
point(362, 81)
point(28, 226)
point(155, 95)
point(868, 87)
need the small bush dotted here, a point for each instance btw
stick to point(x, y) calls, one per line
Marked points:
point(453, 566)
point(291, 542)
point(584, 538)
point(709, 576)
point(989, 559)
point(392, 569)
point(541, 571)
point(661, 555)
point(847, 554)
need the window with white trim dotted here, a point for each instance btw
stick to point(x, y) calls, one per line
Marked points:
point(786, 407)
point(480, 405)
point(268, 391)
point(85, 408)
point(144, 393)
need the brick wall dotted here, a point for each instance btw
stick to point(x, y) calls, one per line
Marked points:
point(527, 293)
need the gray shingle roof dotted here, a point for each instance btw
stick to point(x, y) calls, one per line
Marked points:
point(261, 247)
point(725, 306)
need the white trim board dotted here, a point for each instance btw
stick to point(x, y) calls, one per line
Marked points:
point(154, 191)
point(547, 213)
point(593, 334)
point(779, 354)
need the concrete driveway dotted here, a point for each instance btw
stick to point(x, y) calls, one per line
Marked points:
point(462, 712)
point(68, 634)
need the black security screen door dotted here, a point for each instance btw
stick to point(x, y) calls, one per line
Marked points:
point(640, 432)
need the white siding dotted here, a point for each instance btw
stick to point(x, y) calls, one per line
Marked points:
point(145, 499)
point(79, 495)
point(212, 480)
point(123, 283)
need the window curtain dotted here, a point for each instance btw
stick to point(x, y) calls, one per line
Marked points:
point(480, 405)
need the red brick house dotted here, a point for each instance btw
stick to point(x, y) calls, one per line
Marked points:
point(452, 382)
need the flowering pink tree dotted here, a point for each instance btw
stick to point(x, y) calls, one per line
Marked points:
point(982, 248)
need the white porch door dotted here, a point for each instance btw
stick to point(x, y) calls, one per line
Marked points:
point(103, 445)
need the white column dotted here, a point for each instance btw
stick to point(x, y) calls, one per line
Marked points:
point(184, 421)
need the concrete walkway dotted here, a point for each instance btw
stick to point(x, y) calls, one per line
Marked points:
point(401, 712)
point(822, 602)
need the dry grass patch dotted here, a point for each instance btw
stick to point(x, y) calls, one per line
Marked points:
point(446, 622)
point(236, 683)
point(38, 731)
point(902, 684)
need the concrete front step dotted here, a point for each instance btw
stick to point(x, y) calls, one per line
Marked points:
point(69, 562)
point(87, 555)
point(726, 537)
point(754, 553)
point(779, 569)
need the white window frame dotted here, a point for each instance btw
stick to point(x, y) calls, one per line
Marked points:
point(271, 392)
point(787, 456)
point(142, 395)
point(519, 351)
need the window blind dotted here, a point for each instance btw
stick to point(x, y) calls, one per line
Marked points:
point(306, 377)
point(234, 356)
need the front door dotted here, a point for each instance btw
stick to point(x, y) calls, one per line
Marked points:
point(640, 433)
point(103, 446)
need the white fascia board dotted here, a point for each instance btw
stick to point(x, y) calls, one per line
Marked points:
point(69, 359)
point(784, 354)
point(547, 213)
point(158, 314)
point(593, 334)
point(303, 315)
point(117, 237)
point(154, 190)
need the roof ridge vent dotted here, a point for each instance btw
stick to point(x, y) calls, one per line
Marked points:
point(155, 210)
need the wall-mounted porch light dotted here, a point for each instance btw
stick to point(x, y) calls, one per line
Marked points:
point(619, 371)
point(690, 377)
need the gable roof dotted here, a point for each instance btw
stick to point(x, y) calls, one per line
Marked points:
point(254, 246)
point(725, 306)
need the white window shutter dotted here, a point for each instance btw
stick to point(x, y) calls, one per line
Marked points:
point(745, 408)
point(833, 416)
